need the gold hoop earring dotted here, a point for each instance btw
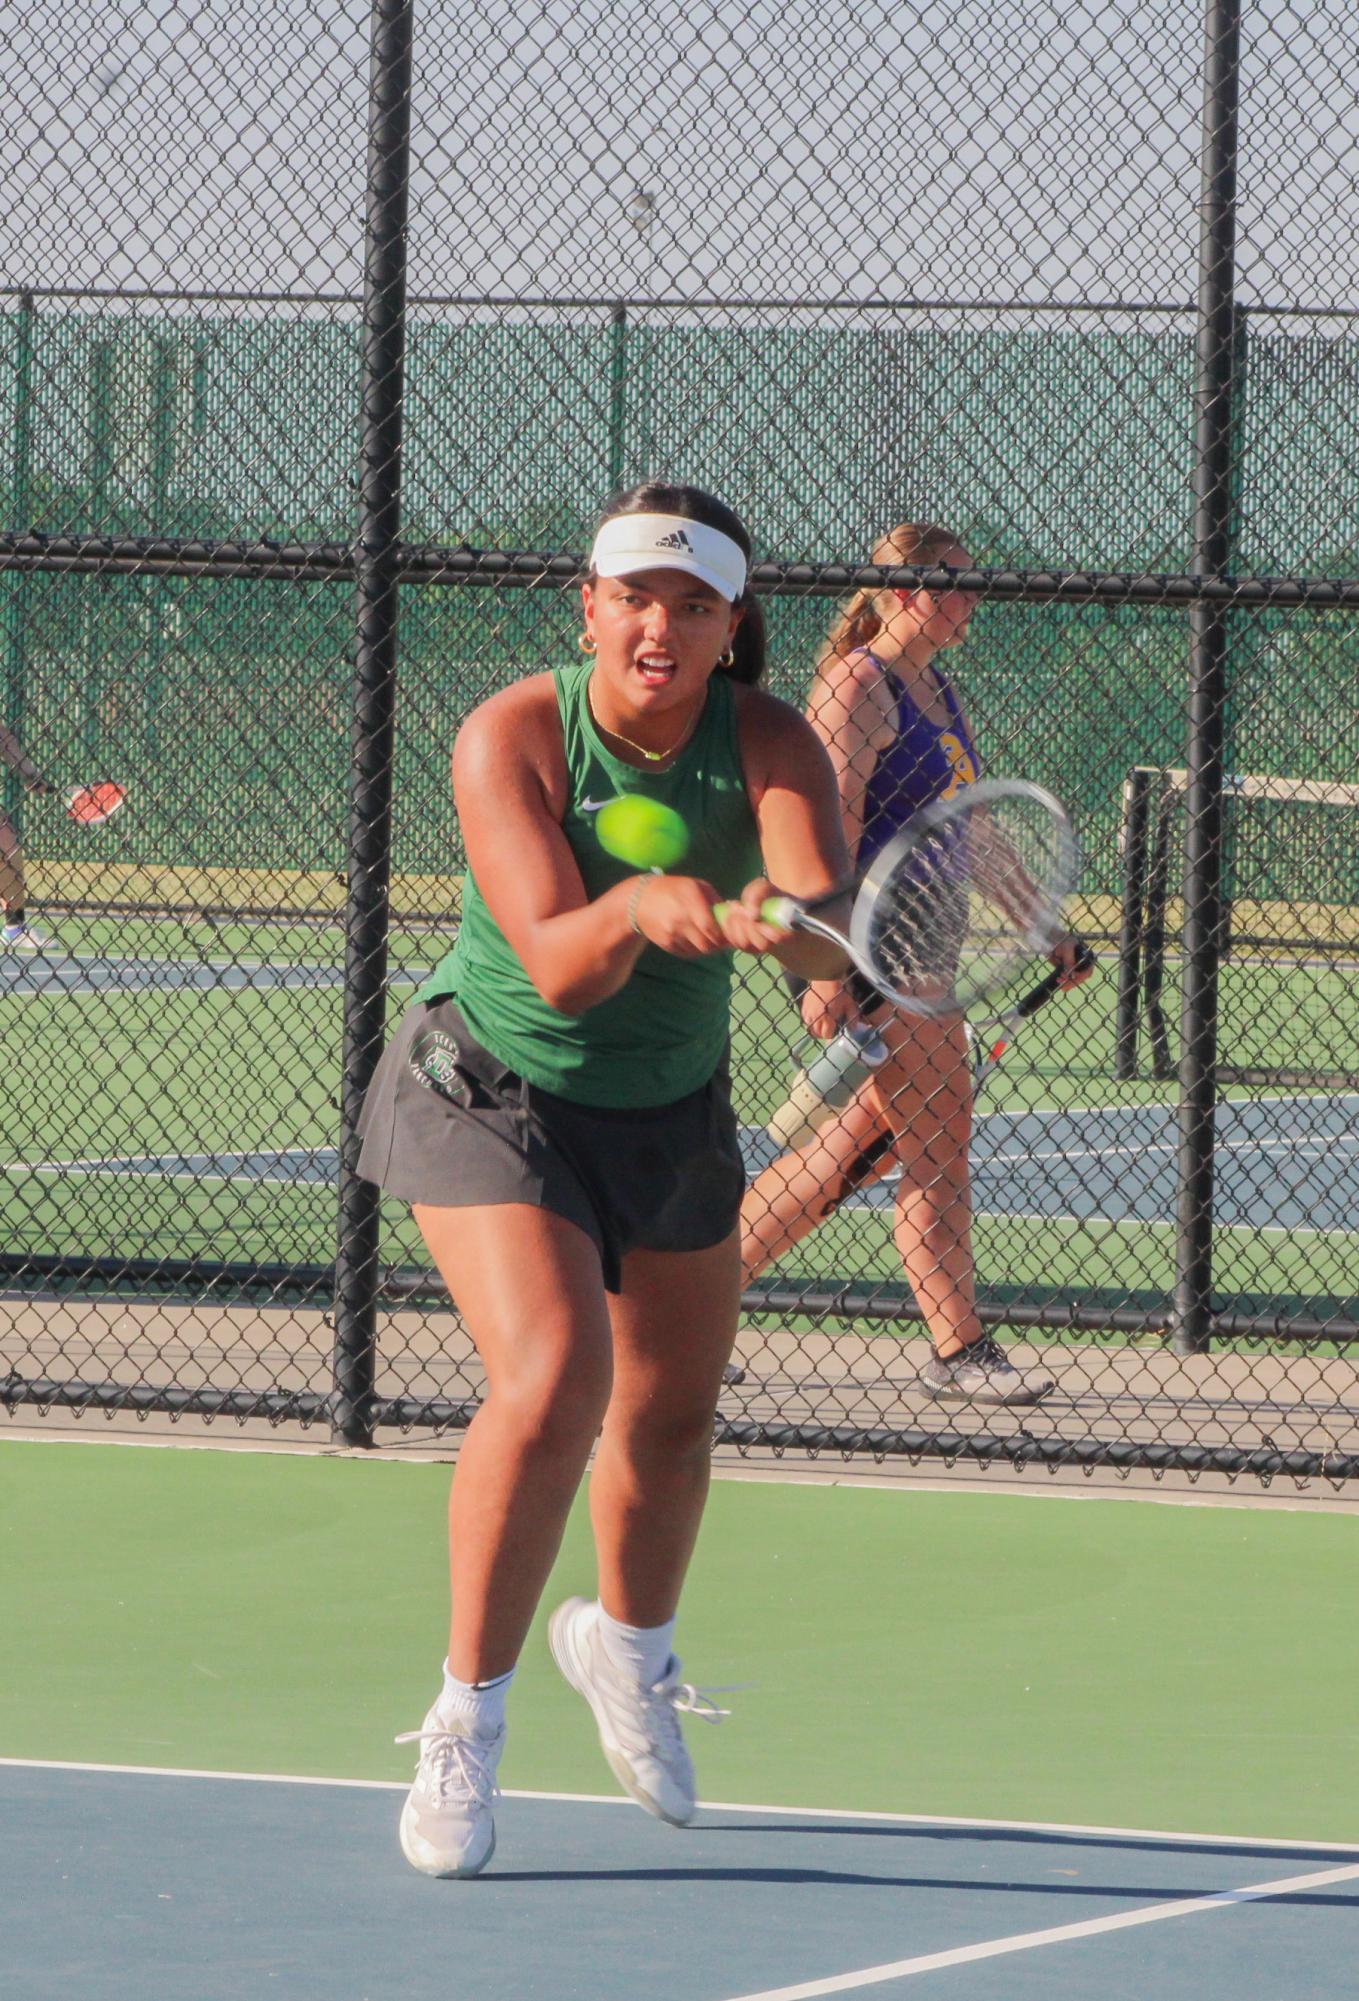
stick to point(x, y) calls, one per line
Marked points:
point(586, 642)
point(726, 660)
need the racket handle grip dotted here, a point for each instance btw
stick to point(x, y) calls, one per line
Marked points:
point(1046, 988)
point(780, 910)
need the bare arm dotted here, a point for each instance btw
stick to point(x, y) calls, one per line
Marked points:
point(792, 788)
point(852, 711)
point(509, 785)
point(853, 714)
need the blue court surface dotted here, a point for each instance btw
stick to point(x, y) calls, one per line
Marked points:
point(1287, 1165)
point(169, 1885)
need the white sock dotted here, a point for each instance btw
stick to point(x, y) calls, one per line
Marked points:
point(479, 1706)
point(643, 1652)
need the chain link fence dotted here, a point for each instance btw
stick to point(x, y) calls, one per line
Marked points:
point(323, 336)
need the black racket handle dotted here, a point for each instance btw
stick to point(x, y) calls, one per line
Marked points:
point(1054, 982)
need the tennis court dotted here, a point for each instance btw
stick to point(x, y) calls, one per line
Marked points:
point(1141, 1781)
point(207, 1079)
point(326, 332)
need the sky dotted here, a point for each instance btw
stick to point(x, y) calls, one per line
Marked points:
point(779, 150)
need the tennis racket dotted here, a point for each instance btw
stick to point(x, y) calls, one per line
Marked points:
point(92, 805)
point(950, 907)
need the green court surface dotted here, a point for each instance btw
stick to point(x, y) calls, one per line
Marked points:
point(1038, 1658)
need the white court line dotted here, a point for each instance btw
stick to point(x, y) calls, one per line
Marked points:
point(924, 1820)
point(1328, 1141)
point(147, 1166)
point(1299, 1097)
point(331, 967)
point(1156, 1222)
point(964, 1955)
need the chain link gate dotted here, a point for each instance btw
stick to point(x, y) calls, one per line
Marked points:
point(300, 457)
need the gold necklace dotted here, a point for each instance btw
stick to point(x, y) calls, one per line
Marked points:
point(651, 756)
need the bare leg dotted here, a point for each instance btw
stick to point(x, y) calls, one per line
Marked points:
point(529, 1286)
point(800, 1189)
point(12, 887)
point(916, 1113)
point(931, 1117)
point(673, 1328)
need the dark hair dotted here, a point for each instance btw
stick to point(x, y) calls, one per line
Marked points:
point(691, 503)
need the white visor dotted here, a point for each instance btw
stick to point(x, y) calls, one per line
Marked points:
point(628, 543)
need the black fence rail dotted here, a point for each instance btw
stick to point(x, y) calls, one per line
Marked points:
point(287, 495)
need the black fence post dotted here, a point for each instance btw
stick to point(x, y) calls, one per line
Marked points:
point(1136, 792)
point(618, 394)
point(377, 553)
point(17, 586)
point(1215, 435)
point(1162, 843)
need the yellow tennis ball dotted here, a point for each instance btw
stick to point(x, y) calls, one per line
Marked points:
point(641, 831)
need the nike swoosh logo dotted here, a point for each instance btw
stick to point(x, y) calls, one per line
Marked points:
point(590, 805)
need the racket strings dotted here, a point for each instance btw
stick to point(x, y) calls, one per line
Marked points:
point(970, 900)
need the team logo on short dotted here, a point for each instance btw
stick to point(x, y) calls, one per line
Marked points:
point(433, 1062)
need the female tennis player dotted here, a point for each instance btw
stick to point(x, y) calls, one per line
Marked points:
point(897, 736)
point(555, 1107)
point(17, 934)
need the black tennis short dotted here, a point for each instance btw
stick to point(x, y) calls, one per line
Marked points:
point(448, 1125)
point(865, 995)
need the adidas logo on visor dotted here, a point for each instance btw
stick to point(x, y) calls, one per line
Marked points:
point(677, 540)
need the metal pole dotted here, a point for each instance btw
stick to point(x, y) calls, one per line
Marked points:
point(161, 593)
point(1136, 789)
point(104, 515)
point(1164, 828)
point(618, 394)
point(16, 596)
point(375, 668)
point(1213, 520)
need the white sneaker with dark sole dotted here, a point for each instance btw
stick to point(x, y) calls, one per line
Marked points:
point(639, 1727)
point(448, 1821)
point(982, 1373)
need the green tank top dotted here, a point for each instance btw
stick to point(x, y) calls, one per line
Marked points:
point(664, 1033)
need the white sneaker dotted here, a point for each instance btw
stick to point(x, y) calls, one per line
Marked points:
point(639, 1727)
point(447, 1823)
point(21, 938)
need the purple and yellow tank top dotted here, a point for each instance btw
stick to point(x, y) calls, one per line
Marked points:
point(925, 762)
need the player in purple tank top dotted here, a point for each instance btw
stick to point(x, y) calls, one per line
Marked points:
point(898, 739)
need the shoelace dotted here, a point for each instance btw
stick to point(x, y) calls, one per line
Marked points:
point(662, 1706)
point(984, 1354)
point(691, 1701)
point(456, 1759)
